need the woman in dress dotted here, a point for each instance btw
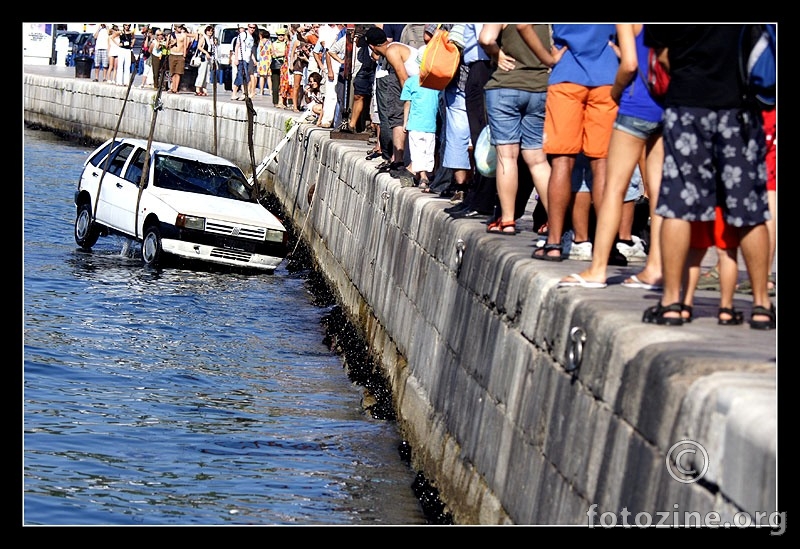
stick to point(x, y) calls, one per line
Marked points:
point(277, 61)
point(263, 59)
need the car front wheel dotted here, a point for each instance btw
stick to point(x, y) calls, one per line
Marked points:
point(151, 246)
point(86, 232)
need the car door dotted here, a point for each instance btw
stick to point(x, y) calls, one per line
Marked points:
point(116, 204)
point(133, 177)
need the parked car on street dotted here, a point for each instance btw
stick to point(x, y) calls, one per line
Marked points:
point(225, 34)
point(192, 205)
point(83, 45)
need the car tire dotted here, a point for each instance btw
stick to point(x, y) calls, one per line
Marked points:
point(86, 231)
point(151, 246)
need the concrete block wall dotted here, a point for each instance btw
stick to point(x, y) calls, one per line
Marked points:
point(474, 337)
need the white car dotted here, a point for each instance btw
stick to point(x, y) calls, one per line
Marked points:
point(191, 204)
point(225, 35)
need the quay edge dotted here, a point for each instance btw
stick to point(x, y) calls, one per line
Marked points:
point(474, 336)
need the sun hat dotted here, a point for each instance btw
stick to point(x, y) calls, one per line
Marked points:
point(280, 31)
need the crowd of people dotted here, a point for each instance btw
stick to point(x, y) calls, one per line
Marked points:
point(571, 120)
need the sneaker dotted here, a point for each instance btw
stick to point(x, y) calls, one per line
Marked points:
point(709, 280)
point(458, 198)
point(634, 253)
point(581, 251)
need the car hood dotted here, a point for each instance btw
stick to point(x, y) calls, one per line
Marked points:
point(214, 207)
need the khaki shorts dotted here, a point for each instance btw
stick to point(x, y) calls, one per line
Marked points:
point(578, 118)
point(176, 64)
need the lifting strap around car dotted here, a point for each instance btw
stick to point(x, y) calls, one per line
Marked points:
point(157, 106)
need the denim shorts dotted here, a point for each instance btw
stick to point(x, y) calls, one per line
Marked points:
point(516, 116)
point(637, 127)
point(582, 179)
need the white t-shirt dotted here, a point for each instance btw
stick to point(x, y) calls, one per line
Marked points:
point(101, 43)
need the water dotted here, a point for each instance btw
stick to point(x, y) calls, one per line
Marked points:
point(183, 397)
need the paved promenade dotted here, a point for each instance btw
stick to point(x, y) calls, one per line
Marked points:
point(265, 101)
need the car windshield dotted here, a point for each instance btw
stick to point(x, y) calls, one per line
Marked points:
point(181, 174)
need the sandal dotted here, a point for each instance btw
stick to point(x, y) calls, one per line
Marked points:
point(689, 310)
point(424, 185)
point(388, 165)
point(655, 314)
point(736, 317)
point(763, 324)
point(499, 227)
point(541, 253)
point(373, 154)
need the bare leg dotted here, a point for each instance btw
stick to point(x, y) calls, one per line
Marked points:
point(582, 203)
point(559, 195)
point(624, 151)
point(728, 275)
point(540, 171)
point(355, 114)
point(772, 227)
point(399, 143)
point(296, 92)
point(598, 166)
point(754, 242)
point(626, 221)
point(651, 274)
point(507, 179)
point(690, 278)
point(675, 234)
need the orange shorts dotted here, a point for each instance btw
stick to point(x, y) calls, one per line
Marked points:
point(714, 233)
point(770, 126)
point(584, 118)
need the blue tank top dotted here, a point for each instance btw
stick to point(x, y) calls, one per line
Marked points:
point(636, 100)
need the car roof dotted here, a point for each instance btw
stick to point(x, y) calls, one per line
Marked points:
point(177, 150)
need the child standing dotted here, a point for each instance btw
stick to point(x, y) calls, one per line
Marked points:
point(419, 121)
point(725, 237)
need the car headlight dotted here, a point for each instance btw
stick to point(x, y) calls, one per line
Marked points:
point(191, 222)
point(275, 235)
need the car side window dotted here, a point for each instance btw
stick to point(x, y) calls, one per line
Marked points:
point(98, 160)
point(134, 171)
point(118, 159)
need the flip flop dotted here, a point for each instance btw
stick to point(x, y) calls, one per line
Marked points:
point(634, 282)
point(578, 280)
